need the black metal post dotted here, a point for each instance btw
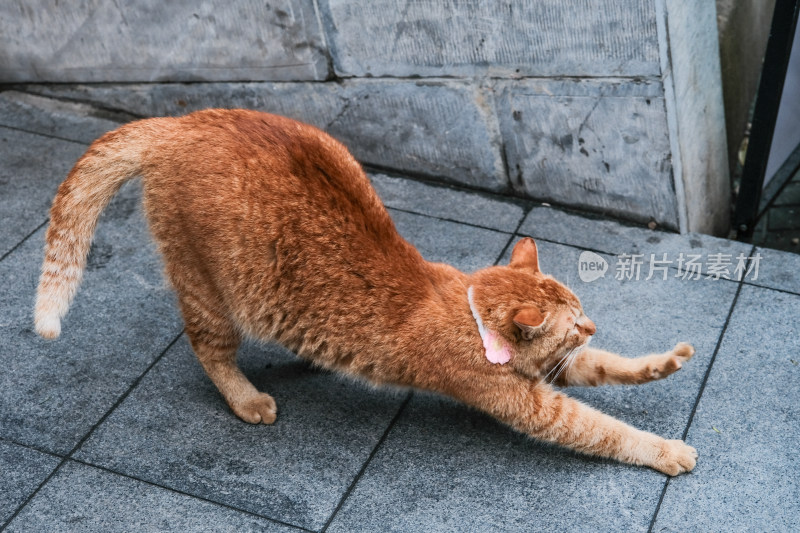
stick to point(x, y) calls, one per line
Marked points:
point(776, 60)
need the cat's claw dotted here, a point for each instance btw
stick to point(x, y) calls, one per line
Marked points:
point(259, 409)
point(676, 457)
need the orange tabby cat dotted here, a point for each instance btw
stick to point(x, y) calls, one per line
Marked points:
point(270, 229)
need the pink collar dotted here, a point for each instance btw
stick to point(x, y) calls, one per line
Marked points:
point(497, 351)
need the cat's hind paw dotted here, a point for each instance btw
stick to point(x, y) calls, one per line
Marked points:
point(258, 409)
point(676, 457)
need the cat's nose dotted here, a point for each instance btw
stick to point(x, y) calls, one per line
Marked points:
point(586, 326)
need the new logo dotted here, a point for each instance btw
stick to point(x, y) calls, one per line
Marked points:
point(591, 266)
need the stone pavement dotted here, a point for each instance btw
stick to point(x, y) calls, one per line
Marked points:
point(114, 427)
point(779, 226)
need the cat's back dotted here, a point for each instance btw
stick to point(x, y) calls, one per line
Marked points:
point(248, 163)
point(264, 201)
point(233, 145)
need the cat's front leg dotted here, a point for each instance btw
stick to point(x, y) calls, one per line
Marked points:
point(598, 367)
point(549, 415)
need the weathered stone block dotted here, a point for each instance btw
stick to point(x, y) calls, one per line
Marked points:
point(601, 145)
point(446, 129)
point(477, 37)
point(448, 203)
point(152, 40)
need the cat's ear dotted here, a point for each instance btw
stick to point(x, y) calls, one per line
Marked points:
point(530, 322)
point(525, 255)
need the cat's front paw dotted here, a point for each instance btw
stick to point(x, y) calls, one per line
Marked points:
point(668, 363)
point(258, 409)
point(676, 457)
point(683, 351)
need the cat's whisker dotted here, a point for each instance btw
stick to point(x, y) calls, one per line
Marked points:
point(578, 351)
point(565, 363)
point(568, 364)
point(558, 366)
point(575, 355)
point(555, 367)
point(560, 370)
point(569, 361)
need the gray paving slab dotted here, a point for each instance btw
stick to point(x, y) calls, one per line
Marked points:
point(444, 467)
point(465, 247)
point(175, 430)
point(615, 238)
point(783, 217)
point(448, 203)
point(32, 168)
point(21, 471)
point(53, 392)
point(83, 498)
point(746, 427)
point(777, 270)
point(67, 120)
point(790, 195)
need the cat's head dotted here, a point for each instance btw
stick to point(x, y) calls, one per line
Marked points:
point(540, 319)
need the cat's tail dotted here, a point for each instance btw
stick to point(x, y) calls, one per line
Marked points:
point(109, 162)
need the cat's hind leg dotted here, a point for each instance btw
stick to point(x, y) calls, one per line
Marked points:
point(597, 367)
point(215, 341)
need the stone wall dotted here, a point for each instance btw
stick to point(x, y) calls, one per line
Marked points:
point(558, 101)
